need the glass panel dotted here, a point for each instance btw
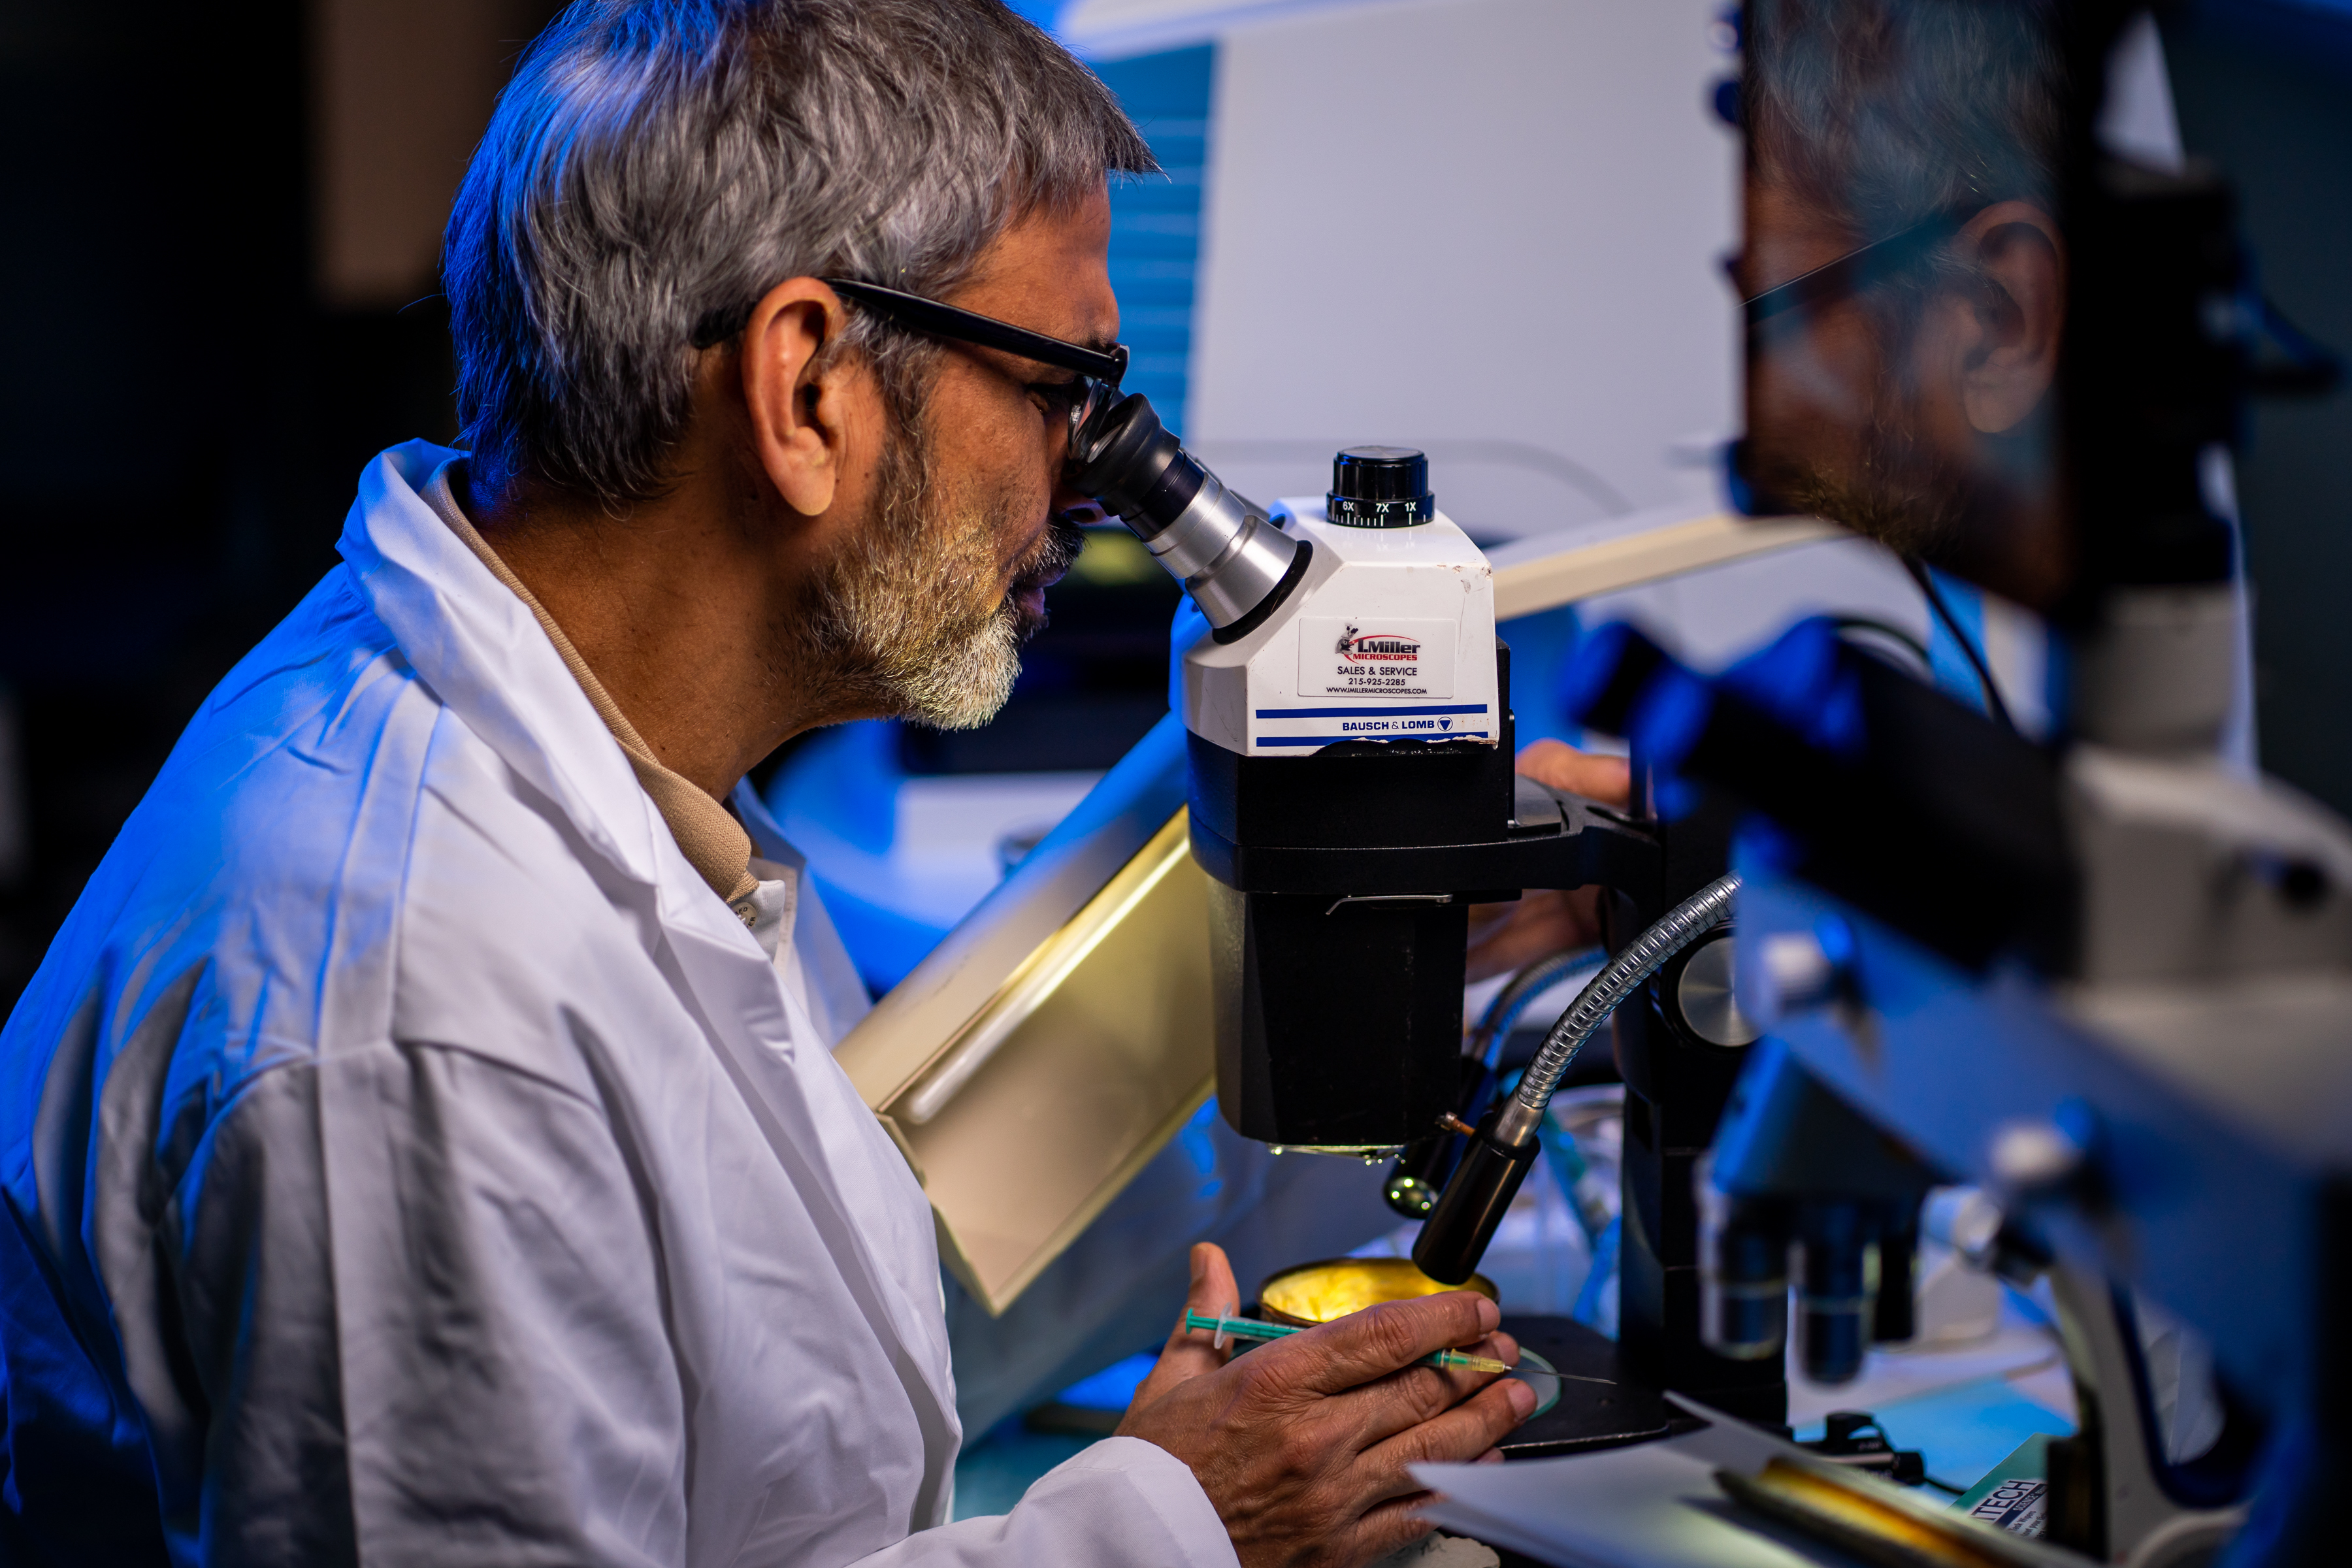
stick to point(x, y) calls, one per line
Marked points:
point(1905, 269)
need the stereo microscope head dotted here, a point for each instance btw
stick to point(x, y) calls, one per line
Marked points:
point(1345, 710)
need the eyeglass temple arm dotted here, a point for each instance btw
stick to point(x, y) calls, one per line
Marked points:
point(1841, 275)
point(947, 321)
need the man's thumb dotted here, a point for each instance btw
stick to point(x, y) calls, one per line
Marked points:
point(1213, 1292)
point(1193, 1351)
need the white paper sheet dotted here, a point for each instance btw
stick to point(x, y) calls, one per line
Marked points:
point(1652, 1505)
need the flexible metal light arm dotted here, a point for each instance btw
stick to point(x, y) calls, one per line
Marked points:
point(1618, 979)
point(1458, 1230)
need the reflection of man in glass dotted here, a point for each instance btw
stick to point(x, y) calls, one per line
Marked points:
point(1906, 278)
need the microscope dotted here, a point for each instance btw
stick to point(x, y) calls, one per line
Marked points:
point(2104, 977)
point(1351, 793)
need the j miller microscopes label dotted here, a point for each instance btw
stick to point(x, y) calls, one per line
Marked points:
point(1373, 656)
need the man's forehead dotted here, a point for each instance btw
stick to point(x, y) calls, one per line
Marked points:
point(1786, 233)
point(1781, 208)
point(1049, 271)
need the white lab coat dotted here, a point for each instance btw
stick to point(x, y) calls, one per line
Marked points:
point(411, 1160)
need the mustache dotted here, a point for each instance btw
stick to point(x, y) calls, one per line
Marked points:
point(1055, 552)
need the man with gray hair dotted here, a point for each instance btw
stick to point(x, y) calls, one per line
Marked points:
point(1904, 275)
point(422, 1142)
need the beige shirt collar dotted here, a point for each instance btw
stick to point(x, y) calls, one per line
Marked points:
point(713, 842)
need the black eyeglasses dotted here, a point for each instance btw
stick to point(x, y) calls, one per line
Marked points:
point(1098, 371)
point(1106, 366)
point(1854, 272)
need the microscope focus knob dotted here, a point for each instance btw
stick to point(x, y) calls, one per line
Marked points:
point(1706, 997)
point(1380, 487)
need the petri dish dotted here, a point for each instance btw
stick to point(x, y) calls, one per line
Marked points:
point(1540, 1375)
point(1317, 1292)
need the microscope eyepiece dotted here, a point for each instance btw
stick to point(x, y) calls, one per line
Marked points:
point(1236, 564)
point(1124, 458)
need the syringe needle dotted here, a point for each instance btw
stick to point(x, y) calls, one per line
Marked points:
point(1251, 1329)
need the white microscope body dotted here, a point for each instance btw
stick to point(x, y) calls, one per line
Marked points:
point(1390, 637)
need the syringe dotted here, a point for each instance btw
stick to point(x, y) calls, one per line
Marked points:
point(1225, 1329)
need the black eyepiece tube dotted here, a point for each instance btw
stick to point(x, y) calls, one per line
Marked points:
point(1456, 1234)
point(1236, 564)
point(1133, 466)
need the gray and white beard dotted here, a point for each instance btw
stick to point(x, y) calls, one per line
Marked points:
point(1907, 496)
point(1906, 493)
point(909, 619)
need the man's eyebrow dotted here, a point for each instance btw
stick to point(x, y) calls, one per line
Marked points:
point(1101, 343)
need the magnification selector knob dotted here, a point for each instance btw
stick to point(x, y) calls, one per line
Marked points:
point(1381, 486)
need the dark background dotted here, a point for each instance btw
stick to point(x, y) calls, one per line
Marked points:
point(2265, 90)
point(187, 395)
point(203, 345)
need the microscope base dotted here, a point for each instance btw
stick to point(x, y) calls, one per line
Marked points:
point(1589, 1416)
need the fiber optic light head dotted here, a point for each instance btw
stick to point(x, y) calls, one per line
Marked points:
point(1237, 565)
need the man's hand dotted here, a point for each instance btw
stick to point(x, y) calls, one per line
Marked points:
point(1508, 937)
point(1302, 1444)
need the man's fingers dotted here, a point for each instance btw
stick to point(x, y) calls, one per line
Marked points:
point(1368, 1346)
point(1381, 1410)
point(1213, 1294)
point(1213, 1290)
point(1389, 1527)
point(1608, 780)
point(1191, 1352)
point(1458, 1437)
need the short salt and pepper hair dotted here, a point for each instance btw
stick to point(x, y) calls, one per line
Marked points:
point(655, 166)
point(1884, 113)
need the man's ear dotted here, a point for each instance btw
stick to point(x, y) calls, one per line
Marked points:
point(2019, 317)
point(801, 400)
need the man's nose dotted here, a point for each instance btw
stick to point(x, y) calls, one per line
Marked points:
point(1075, 506)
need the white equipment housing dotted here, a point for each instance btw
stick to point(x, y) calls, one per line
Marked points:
point(1391, 637)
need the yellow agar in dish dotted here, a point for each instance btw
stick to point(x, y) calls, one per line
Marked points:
point(1319, 1293)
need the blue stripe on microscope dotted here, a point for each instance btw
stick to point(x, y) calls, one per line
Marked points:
point(1369, 712)
point(1327, 740)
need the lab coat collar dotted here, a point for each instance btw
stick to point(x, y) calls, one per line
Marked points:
point(767, 836)
point(482, 652)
